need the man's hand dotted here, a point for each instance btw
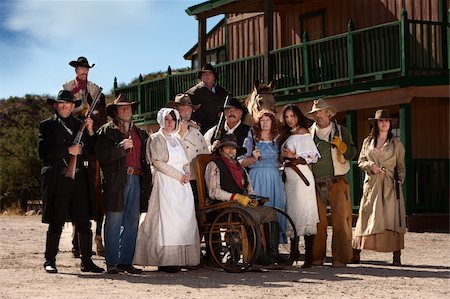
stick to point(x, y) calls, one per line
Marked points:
point(89, 126)
point(340, 145)
point(127, 143)
point(75, 149)
point(242, 199)
point(214, 145)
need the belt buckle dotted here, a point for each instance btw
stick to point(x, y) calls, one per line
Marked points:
point(130, 170)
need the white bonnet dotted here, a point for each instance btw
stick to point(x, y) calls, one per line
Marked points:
point(163, 113)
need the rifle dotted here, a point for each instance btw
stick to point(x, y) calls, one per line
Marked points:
point(397, 191)
point(221, 124)
point(71, 167)
point(252, 132)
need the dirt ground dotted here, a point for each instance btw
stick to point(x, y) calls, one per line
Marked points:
point(425, 273)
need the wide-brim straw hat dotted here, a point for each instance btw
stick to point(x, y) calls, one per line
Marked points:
point(121, 100)
point(64, 96)
point(318, 105)
point(182, 99)
point(81, 61)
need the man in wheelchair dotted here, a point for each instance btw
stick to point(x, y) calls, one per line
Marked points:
point(226, 180)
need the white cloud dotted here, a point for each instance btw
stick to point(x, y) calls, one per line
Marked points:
point(50, 20)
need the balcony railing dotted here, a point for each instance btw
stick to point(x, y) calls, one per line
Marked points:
point(397, 49)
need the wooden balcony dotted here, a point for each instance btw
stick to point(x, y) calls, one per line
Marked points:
point(406, 52)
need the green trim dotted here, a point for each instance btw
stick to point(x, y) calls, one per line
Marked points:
point(205, 6)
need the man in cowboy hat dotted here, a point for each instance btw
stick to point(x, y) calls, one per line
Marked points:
point(81, 88)
point(234, 112)
point(336, 148)
point(227, 180)
point(66, 198)
point(85, 91)
point(210, 95)
point(121, 151)
point(191, 138)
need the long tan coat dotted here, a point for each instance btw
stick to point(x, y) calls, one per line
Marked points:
point(378, 209)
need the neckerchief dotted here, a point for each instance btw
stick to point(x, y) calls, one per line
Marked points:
point(80, 86)
point(235, 170)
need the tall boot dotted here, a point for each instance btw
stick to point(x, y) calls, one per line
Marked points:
point(87, 265)
point(396, 258)
point(308, 251)
point(296, 254)
point(75, 242)
point(51, 249)
point(356, 258)
point(274, 235)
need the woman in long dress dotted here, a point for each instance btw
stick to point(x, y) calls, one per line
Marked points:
point(381, 224)
point(261, 158)
point(299, 150)
point(168, 236)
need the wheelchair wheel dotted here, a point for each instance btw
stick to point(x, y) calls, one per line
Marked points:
point(234, 240)
point(287, 250)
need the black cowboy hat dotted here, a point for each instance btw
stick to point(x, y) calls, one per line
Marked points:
point(64, 96)
point(229, 140)
point(207, 68)
point(182, 99)
point(81, 61)
point(234, 103)
point(121, 100)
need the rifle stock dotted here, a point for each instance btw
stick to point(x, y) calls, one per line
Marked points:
point(72, 165)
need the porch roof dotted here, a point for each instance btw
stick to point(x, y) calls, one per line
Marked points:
point(216, 7)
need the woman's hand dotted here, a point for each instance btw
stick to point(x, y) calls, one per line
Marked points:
point(185, 178)
point(375, 169)
point(285, 153)
point(256, 154)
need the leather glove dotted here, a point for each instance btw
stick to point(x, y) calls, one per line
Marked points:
point(340, 145)
point(253, 204)
point(242, 199)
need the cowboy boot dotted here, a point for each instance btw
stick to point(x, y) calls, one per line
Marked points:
point(51, 249)
point(396, 258)
point(99, 245)
point(308, 251)
point(274, 234)
point(356, 258)
point(87, 265)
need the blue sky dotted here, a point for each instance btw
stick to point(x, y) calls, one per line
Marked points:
point(123, 38)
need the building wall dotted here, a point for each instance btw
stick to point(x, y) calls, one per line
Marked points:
point(245, 31)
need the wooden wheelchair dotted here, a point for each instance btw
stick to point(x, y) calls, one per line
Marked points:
point(230, 237)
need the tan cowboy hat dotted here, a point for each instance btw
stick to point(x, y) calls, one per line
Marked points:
point(182, 99)
point(320, 104)
point(121, 100)
point(381, 114)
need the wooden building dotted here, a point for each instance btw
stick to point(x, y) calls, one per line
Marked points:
point(359, 55)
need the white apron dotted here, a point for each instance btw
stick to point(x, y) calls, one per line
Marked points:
point(177, 222)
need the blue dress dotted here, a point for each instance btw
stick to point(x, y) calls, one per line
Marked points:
point(265, 177)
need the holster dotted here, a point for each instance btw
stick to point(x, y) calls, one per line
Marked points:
point(293, 165)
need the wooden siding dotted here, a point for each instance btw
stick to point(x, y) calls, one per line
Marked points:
point(245, 31)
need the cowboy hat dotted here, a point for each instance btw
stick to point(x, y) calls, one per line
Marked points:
point(182, 99)
point(318, 105)
point(121, 100)
point(64, 96)
point(81, 61)
point(207, 68)
point(381, 114)
point(229, 140)
point(234, 103)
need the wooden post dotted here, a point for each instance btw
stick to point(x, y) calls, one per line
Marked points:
point(201, 48)
point(139, 94)
point(405, 138)
point(305, 60)
point(268, 39)
point(350, 49)
point(353, 175)
point(404, 43)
